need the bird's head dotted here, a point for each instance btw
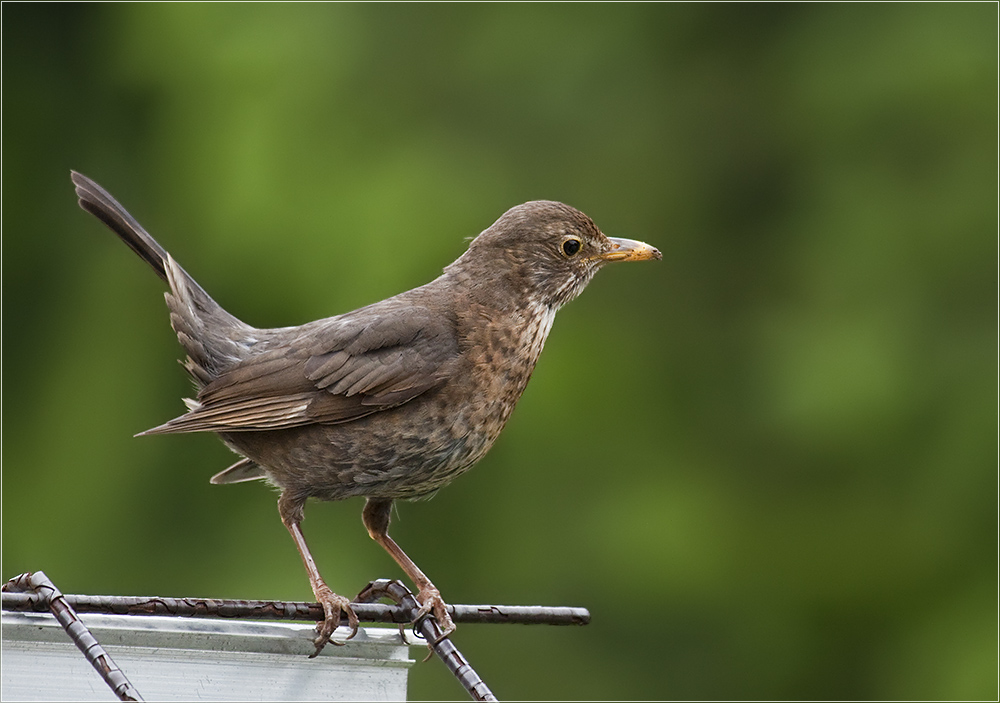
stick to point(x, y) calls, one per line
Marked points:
point(542, 253)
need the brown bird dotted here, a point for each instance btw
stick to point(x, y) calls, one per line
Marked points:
point(391, 401)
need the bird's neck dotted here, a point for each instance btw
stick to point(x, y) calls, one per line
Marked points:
point(498, 289)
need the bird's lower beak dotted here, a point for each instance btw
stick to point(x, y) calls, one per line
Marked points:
point(629, 250)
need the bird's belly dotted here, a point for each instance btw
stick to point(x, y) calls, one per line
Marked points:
point(391, 454)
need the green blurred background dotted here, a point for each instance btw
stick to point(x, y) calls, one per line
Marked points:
point(766, 464)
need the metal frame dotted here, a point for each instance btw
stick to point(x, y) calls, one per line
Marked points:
point(34, 592)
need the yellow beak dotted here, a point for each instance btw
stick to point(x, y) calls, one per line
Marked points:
point(629, 250)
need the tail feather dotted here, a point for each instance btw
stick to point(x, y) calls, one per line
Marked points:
point(242, 470)
point(211, 336)
point(99, 203)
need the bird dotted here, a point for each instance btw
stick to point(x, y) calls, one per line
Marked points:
point(388, 402)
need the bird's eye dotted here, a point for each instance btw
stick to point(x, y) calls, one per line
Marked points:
point(571, 247)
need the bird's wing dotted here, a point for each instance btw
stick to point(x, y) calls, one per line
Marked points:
point(334, 371)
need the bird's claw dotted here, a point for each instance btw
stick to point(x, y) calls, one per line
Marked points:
point(333, 606)
point(431, 603)
point(429, 600)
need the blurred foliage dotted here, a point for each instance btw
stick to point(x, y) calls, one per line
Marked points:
point(767, 464)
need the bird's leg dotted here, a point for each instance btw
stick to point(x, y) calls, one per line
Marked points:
point(291, 513)
point(376, 519)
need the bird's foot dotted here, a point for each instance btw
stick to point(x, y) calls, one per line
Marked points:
point(333, 606)
point(431, 603)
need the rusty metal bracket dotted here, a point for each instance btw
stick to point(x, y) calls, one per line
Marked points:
point(427, 628)
point(40, 585)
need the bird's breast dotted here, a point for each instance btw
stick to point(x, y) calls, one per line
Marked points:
point(501, 355)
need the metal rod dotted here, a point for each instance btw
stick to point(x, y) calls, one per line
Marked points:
point(428, 628)
point(21, 594)
point(290, 610)
point(45, 592)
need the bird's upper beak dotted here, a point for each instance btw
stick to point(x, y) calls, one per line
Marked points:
point(629, 250)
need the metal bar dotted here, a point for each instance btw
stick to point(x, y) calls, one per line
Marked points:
point(46, 592)
point(290, 610)
point(405, 611)
point(428, 628)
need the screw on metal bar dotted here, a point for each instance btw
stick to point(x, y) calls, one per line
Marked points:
point(291, 610)
point(428, 628)
point(40, 584)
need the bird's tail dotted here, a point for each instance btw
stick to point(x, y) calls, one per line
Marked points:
point(212, 337)
point(99, 203)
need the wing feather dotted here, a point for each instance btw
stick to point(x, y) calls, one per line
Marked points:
point(338, 370)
